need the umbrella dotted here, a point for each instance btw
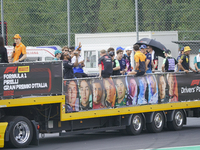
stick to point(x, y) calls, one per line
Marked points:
point(157, 46)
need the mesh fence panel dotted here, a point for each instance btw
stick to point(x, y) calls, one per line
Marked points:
point(44, 22)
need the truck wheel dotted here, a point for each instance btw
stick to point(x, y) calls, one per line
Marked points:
point(136, 125)
point(177, 122)
point(21, 132)
point(157, 123)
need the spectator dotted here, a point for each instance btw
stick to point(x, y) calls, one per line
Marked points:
point(110, 49)
point(68, 66)
point(154, 57)
point(19, 51)
point(57, 54)
point(78, 71)
point(122, 62)
point(115, 64)
point(169, 62)
point(197, 62)
point(3, 51)
point(148, 62)
point(105, 65)
point(184, 60)
point(140, 62)
point(65, 49)
point(127, 58)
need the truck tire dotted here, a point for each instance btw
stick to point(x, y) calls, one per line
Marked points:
point(177, 122)
point(157, 123)
point(21, 132)
point(136, 125)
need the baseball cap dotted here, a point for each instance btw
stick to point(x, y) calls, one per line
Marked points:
point(17, 36)
point(119, 47)
point(129, 48)
point(167, 51)
point(182, 49)
point(187, 48)
point(78, 49)
point(143, 46)
point(111, 53)
point(57, 51)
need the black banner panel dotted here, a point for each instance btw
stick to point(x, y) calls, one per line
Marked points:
point(123, 91)
point(30, 79)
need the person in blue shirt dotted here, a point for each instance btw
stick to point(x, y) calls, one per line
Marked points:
point(57, 54)
point(180, 53)
point(149, 63)
point(78, 71)
point(122, 61)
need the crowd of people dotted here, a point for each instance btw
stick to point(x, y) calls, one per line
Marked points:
point(109, 63)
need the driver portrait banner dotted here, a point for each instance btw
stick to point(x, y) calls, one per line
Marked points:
point(125, 91)
point(30, 79)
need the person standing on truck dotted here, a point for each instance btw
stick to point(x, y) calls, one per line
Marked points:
point(122, 61)
point(105, 65)
point(169, 62)
point(140, 59)
point(154, 57)
point(127, 58)
point(68, 72)
point(3, 51)
point(19, 50)
point(185, 60)
point(115, 64)
point(197, 62)
point(180, 53)
point(111, 49)
point(78, 70)
point(57, 54)
point(65, 49)
point(179, 56)
point(148, 62)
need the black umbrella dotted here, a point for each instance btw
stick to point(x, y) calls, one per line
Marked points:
point(157, 46)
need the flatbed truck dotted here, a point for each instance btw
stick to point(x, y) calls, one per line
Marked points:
point(23, 116)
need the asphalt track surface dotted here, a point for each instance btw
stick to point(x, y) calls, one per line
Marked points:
point(113, 140)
